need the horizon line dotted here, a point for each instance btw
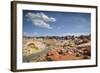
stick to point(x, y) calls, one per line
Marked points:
point(66, 34)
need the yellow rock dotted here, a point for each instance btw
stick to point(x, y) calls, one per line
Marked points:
point(33, 47)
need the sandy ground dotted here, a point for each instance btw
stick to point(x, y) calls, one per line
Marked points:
point(36, 50)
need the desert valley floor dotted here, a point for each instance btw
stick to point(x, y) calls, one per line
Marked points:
point(53, 48)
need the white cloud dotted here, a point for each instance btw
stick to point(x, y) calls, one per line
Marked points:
point(76, 34)
point(40, 19)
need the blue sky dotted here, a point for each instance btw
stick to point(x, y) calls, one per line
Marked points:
point(51, 23)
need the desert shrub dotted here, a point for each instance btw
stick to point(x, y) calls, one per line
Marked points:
point(60, 52)
point(49, 59)
point(73, 37)
point(77, 55)
point(85, 57)
point(77, 42)
point(85, 40)
point(86, 52)
point(81, 37)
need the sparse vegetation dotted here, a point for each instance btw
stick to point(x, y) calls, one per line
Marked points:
point(54, 48)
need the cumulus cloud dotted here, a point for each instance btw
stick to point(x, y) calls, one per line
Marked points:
point(40, 19)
